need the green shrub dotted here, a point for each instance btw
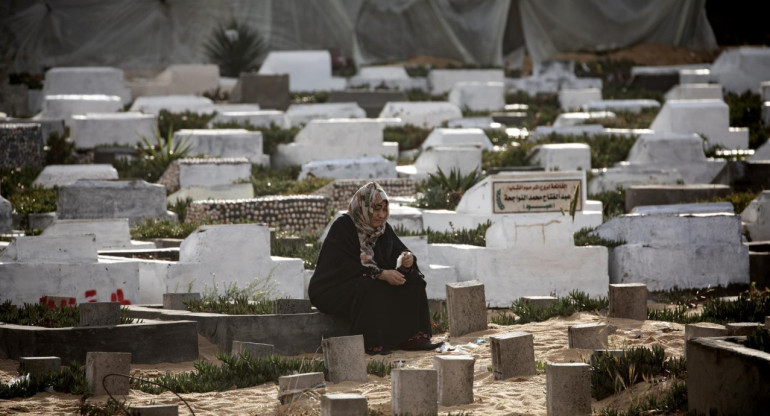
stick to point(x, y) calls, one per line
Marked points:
point(740, 200)
point(498, 137)
point(475, 236)
point(71, 379)
point(611, 374)
point(408, 137)
point(163, 228)
point(513, 154)
point(751, 307)
point(583, 237)
point(416, 94)
point(179, 207)
point(235, 47)
point(452, 188)
point(613, 202)
point(15, 180)
point(283, 181)
point(380, 368)
point(33, 200)
point(525, 312)
point(169, 122)
point(759, 339)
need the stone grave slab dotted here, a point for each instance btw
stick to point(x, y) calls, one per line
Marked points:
point(708, 118)
point(177, 79)
point(628, 301)
point(298, 386)
point(259, 118)
point(59, 175)
point(464, 159)
point(154, 410)
point(212, 172)
point(421, 114)
point(86, 80)
point(308, 70)
point(40, 366)
point(685, 251)
point(457, 137)
point(571, 99)
point(21, 145)
point(122, 129)
point(484, 123)
point(455, 379)
point(695, 92)
point(299, 114)
point(577, 118)
point(563, 156)
point(99, 313)
point(588, 336)
point(344, 357)
point(99, 199)
point(177, 301)
point(632, 106)
point(478, 96)
point(343, 404)
point(741, 69)
point(575, 130)
point(66, 106)
point(414, 391)
point(466, 306)
point(100, 366)
point(173, 104)
point(367, 167)
point(696, 208)
point(672, 194)
point(225, 143)
point(48, 126)
point(568, 389)
point(513, 355)
point(443, 80)
point(110, 233)
point(371, 102)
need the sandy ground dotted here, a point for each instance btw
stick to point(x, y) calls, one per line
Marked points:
point(516, 396)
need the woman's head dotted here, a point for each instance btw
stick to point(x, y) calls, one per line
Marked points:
point(369, 207)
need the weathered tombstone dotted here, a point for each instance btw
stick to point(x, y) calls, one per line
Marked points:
point(443, 80)
point(224, 143)
point(291, 306)
point(513, 354)
point(367, 167)
point(568, 389)
point(299, 114)
point(464, 159)
point(110, 233)
point(413, 391)
point(132, 199)
point(343, 404)
point(740, 329)
point(105, 129)
point(344, 358)
point(756, 217)
point(299, 386)
point(21, 145)
point(66, 106)
point(256, 118)
point(421, 114)
point(562, 156)
point(269, 91)
point(672, 194)
point(741, 69)
point(177, 301)
point(632, 106)
point(60, 175)
point(588, 336)
point(307, 70)
point(709, 118)
point(455, 379)
point(478, 96)
point(457, 137)
point(86, 80)
point(254, 349)
point(467, 308)
point(571, 99)
point(628, 300)
point(100, 366)
point(371, 101)
point(99, 313)
point(154, 410)
point(173, 104)
point(540, 301)
point(40, 366)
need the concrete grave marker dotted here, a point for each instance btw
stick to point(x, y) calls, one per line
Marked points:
point(21, 145)
point(173, 104)
point(40, 366)
point(632, 106)
point(254, 349)
point(457, 137)
point(344, 357)
point(756, 217)
point(59, 175)
point(709, 118)
point(99, 313)
point(155, 410)
point(300, 386)
point(66, 106)
point(111, 233)
point(177, 79)
point(367, 167)
point(99, 366)
point(455, 379)
point(478, 96)
point(300, 114)
point(343, 404)
point(467, 307)
point(464, 159)
point(695, 92)
point(741, 69)
point(422, 114)
point(127, 129)
point(563, 156)
point(307, 70)
point(588, 336)
point(443, 80)
point(568, 389)
point(629, 301)
point(269, 91)
point(413, 391)
point(132, 199)
point(256, 118)
point(571, 99)
point(177, 301)
point(86, 80)
point(513, 355)
point(225, 143)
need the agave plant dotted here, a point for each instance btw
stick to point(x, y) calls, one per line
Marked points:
point(162, 153)
point(235, 47)
point(453, 185)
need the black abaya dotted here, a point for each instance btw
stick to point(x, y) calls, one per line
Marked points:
point(386, 315)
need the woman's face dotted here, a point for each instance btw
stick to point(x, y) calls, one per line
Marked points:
point(380, 214)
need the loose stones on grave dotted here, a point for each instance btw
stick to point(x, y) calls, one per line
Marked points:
point(568, 389)
point(513, 354)
point(99, 313)
point(39, 367)
point(178, 301)
point(300, 386)
point(588, 336)
point(343, 404)
point(628, 300)
point(455, 379)
point(344, 358)
point(100, 366)
point(21, 145)
point(466, 307)
point(254, 349)
point(414, 391)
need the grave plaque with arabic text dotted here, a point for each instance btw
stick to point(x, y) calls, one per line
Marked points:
point(534, 196)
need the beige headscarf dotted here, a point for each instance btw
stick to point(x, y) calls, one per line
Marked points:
point(361, 209)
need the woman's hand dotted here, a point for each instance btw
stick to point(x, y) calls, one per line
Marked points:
point(407, 259)
point(393, 277)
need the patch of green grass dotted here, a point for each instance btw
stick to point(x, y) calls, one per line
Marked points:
point(33, 200)
point(283, 181)
point(38, 314)
point(442, 191)
point(513, 154)
point(613, 202)
point(253, 299)
point(749, 307)
point(380, 368)
point(740, 200)
point(408, 137)
point(308, 250)
point(14, 180)
point(583, 237)
point(627, 119)
point(71, 379)
point(674, 401)
point(474, 236)
point(611, 374)
point(525, 312)
point(746, 111)
point(308, 97)
point(163, 228)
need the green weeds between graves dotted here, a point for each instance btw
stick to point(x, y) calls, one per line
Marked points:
point(524, 312)
point(38, 314)
point(253, 299)
point(408, 137)
point(442, 191)
point(759, 339)
point(611, 374)
point(673, 401)
point(474, 236)
point(71, 379)
point(583, 237)
point(283, 181)
point(752, 305)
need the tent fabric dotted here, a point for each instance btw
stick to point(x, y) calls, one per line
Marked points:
point(152, 34)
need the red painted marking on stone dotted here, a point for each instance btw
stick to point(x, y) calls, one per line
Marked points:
point(72, 301)
point(90, 293)
point(51, 304)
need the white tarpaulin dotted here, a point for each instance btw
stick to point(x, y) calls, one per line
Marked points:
point(151, 34)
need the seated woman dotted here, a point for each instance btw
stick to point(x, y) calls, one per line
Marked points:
point(366, 275)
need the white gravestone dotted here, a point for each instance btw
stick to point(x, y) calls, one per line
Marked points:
point(709, 118)
point(224, 143)
point(478, 96)
point(173, 104)
point(86, 80)
point(123, 129)
point(463, 159)
point(368, 167)
point(571, 99)
point(391, 77)
point(299, 114)
point(457, 137)
point(573, 119)
point(111, 234)
point(307, 70)
point(421, 114)
point(756, 217)
point(443, 80)
point(742, 69)
point(238, 254)
point(685, 250)
point(695, 92)
point(632, 106)
point(60, 175)
point(563, 156)
point(66, 106)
